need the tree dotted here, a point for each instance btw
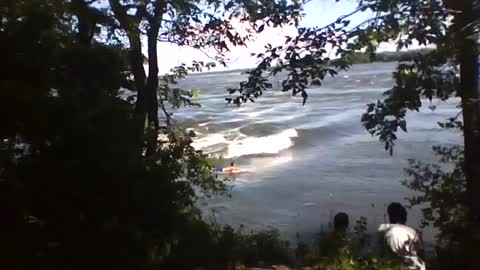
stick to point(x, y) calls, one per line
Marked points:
point(441, 195)
point(466, 43)
point(76, 191)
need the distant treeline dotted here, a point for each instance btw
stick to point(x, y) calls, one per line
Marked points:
point(362, 58)
point(356, 58)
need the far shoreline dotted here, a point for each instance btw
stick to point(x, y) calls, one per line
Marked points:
point(358, 58)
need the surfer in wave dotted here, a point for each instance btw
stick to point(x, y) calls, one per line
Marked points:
point(230, 169)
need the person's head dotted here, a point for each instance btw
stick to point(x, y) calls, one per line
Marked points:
point(340, 222)
point(397, 213)
point(232, 163)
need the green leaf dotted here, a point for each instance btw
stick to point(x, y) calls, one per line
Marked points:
point(260, 29)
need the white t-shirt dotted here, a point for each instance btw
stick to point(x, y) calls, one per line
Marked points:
point(405, 242)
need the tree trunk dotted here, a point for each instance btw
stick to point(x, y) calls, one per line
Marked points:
point(469, 92)
point(85, 24)
point(151, 89)
point(136, 65)
point(139, 76)
point(147, 99)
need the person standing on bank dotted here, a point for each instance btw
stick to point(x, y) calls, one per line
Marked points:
point(401, 239)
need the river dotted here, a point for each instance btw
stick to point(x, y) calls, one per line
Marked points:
point(311, 161)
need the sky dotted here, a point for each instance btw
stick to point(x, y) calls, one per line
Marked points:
point(317, 13)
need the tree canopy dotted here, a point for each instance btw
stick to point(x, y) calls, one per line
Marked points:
point(84, 181)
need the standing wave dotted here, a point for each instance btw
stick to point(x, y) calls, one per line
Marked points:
point(271, 144)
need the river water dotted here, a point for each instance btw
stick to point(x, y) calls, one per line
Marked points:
point(311, 161)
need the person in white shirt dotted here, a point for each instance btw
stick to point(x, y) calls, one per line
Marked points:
point(401, 239)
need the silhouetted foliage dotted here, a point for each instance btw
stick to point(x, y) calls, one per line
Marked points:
point(441, 194)
point(77, 190)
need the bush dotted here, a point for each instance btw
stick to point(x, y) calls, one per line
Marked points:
point(211, 246)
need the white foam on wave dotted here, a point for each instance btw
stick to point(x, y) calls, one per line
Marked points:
point(209, 140)
point(242, 145)
point(271, 144)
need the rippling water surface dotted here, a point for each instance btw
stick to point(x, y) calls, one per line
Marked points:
point(309, 161)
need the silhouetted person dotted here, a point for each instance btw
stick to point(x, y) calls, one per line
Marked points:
point(340, 222)
point(397, 214)
point(332, 244)
point(401, 239)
